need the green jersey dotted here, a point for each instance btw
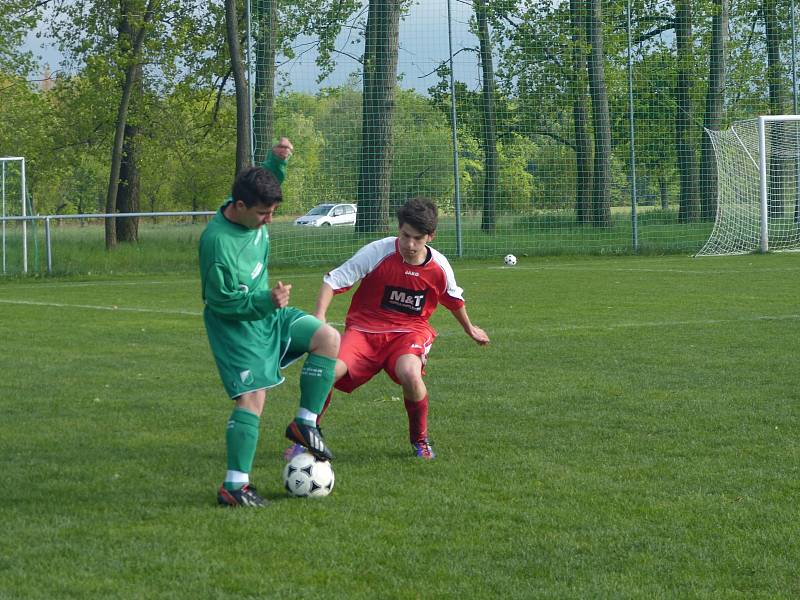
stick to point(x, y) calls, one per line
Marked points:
point(247, 334)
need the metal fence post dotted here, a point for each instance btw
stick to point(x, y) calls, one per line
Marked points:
point(48, 245)
point(457, 190)
point(631, 115)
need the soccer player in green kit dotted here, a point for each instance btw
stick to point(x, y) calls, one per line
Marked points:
point(252, 330)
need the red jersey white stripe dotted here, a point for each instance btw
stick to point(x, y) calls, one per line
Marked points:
point(395, 296)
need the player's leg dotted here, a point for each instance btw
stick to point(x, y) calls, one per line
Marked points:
point(241, 439)
point(340, 372)
point(408, 370)
point(321, 343)
point(406, 366)
point(361, 357)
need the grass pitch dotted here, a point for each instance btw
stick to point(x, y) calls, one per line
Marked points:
point(630, 432)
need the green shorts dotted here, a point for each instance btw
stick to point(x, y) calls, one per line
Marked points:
point(251, 354)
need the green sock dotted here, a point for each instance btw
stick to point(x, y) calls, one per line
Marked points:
point(241, 439)
point(316, 380)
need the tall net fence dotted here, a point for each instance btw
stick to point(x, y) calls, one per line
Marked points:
point(538, 128)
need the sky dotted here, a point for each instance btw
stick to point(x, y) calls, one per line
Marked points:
point(423, 46)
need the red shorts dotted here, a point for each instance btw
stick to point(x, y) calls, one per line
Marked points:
point(366, 354)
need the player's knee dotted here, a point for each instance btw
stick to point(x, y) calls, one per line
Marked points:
point(340, 370)
point(326, 341)
point(409, 374)
point(252, 401)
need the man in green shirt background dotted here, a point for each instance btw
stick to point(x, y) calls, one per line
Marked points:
point(252, 330)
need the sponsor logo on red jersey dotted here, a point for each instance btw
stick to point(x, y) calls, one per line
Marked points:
point(410, 302)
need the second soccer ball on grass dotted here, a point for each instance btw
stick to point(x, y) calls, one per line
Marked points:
point(510, 260)
point(306, 476)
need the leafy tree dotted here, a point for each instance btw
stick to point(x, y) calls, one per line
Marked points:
point(188, 164)
point(243, 131)
point(684, 113)
point(489, 121)
point(715, 106)
point(580, 112)
point(17, 18)
point(601, 118)
point(380, 74)
point(777, 170)
point(123, 43)
point(277, 25)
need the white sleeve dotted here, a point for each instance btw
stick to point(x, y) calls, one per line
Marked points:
point(360, 264)
point(452, 287)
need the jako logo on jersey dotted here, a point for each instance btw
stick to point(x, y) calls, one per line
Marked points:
point(412, 273)
point(403, 300)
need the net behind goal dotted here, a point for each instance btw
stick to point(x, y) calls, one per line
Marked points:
point(758, 173)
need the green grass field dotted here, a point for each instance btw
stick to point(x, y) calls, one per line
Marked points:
point(631, 431)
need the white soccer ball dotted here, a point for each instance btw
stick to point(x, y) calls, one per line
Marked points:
point(306, 476)
point(510, 260)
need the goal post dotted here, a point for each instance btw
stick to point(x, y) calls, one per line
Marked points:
point(758, 200)
point(13, 192)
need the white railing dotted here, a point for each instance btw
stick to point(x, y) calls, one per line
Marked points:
point(49, 218)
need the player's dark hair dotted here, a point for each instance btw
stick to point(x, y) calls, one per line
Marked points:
point(256, 185)
point(421, 213)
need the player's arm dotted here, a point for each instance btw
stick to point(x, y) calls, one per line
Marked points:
point(276, 160)
point(473, 331)
point(346, 275)
point(226, 299)
point(323, 301)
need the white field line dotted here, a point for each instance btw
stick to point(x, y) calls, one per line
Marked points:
point(547, 329)
point(83, 284)
point(164, 311)
point(608, 269)
point(672, 323)
point(195, 281)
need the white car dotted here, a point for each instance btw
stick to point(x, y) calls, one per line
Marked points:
point(325, 215)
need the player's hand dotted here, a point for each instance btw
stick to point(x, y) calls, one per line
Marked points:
point(280, 295)
point(283, 149)
point(479, 335)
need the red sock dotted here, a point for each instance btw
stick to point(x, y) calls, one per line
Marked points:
point(325, 407)
point(417, 419)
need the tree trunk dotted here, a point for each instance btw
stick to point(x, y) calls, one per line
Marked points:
point(777, 173)
point(380, 74)
point(580, 114)
point(489, 125)
point(243, 141)
point(663, 192)
point(715, 106)
point(601, 118)
point(264, 111)
point(122, 116)
point(687, 165)
point(128, 192)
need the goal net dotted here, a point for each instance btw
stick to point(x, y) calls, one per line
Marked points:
point(758, 174)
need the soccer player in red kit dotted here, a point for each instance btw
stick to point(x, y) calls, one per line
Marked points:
point(403, 280)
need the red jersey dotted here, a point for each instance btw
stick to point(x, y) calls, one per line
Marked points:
point(395, 296)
